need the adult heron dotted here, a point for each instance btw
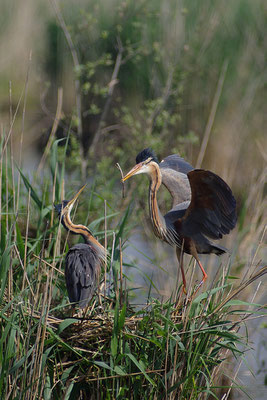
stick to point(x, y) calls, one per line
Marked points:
point(203, 206)
point(83, 261)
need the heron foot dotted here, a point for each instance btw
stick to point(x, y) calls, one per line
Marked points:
point(198, 286)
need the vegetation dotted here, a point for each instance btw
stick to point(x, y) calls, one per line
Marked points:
point(178, 77)
point(162, 349)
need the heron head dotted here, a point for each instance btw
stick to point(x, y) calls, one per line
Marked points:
point(144, 163)
point(66, 206)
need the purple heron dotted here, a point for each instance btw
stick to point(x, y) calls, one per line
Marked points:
point(203, 206)
point(83, 261)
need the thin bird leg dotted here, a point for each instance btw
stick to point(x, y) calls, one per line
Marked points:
point(203, 272)
point(194, 254)
point(180, 257)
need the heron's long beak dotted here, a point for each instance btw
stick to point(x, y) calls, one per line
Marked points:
point(135, 170)
point(72, 201)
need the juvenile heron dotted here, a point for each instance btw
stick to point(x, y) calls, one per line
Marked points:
point(83, 261)
point(203, 206)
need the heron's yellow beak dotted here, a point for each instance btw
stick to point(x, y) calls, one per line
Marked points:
point(72, 201)
point(135, 170)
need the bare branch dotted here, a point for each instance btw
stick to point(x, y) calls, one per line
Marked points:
point(111, 85)
point(119, 168)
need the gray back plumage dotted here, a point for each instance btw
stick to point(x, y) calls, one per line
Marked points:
point(174, 171)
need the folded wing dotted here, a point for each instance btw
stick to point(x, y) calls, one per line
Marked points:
point(81, 274)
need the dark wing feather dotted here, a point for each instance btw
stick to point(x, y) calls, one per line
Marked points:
point(174, 171)
point(212, 210)
point(82, 269)
point(176, 163)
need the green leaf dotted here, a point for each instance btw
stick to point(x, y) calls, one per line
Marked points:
point(66, 374)
point(114, 345)
point(19, 363)
point(29, 187)
point(96, 222)
point(4, 263)
point(20, 242)
point(122, 225)
point(119, 371)
point(122, 317)
point(240, 303)
point(69, 390)
point(205, 295)
point(140, 367)
point(102, 364)
point(67, 322)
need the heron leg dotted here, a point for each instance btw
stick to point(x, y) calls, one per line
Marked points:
point(195, 255)
point(203, 272)
point(180, 257)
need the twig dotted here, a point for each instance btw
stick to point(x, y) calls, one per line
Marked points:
point(54, 129)
point(26, 239)
point(123, 190)
point(212, 115)
point(52, 115)
point(47, 263)
point(125, 375)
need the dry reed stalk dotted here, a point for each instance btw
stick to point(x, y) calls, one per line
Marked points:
point(48, 264)
point(105, 263)
point(24, 271)
point(112, 256)
point(6, 185)
point(26, 239)
point(39, 344)
point(10, 271)
point(211, 118)
point(1, 177)
point(126, 375)
point(53, 130)
point(123, 187)
point(121, 278)
point(26, 86)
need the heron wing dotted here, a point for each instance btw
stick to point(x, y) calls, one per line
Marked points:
point(176, 212)
point(82, 268)
point(174, 171)
point(212, 210)
point(176, 163)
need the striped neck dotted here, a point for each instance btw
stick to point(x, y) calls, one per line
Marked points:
point(156, 217)
point(85, 233)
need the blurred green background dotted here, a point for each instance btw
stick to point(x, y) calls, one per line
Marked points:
point(176, 57)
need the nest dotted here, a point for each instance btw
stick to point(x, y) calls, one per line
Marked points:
point(99, 328)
